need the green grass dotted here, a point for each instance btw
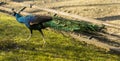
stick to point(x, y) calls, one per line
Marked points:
point(13, 47)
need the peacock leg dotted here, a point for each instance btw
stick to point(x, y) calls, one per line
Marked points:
point(29, 35)
point(42, 36)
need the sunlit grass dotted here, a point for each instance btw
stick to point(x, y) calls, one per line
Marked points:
point(13, 47)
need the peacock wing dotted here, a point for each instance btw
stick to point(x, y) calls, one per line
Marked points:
point(41, 19)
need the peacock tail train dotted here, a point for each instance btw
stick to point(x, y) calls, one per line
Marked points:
point(72, 25)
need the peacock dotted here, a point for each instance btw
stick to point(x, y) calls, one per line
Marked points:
point(37, 22)
point(32, 22)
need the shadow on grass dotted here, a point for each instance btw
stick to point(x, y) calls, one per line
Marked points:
point(54, 50)
point(75, 50)
point(7, 45)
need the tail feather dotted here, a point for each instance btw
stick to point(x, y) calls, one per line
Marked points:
point(70, 25)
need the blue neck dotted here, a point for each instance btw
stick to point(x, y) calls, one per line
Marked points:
point(18, 15)
point(23, 19)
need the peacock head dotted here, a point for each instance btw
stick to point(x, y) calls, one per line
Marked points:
point(14, 12)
